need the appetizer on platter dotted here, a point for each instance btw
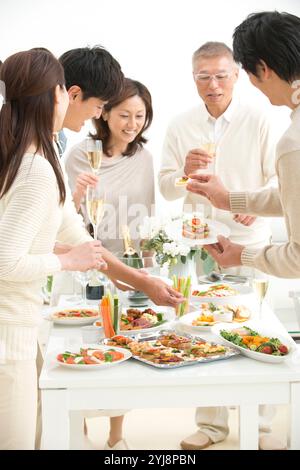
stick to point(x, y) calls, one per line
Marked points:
point(193, 228)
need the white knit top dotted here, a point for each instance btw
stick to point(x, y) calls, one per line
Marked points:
point(245, 159)
point(31, 220)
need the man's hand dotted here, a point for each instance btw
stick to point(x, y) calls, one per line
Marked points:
point(125, 287)
point(226, 253)
point(196, 159)
point(244, 219)
point(83, 180)
point(211, 187)
point(160, 293)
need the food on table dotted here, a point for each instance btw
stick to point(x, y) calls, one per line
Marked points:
point(75, 313)
point(183, 181)
point(193, 228)
point(169, 348)
point(135, 319)
point(90, 356)
point(249, 339)
point(219, 290)
point(109, 308)
point(182, 285)
point(212, 313)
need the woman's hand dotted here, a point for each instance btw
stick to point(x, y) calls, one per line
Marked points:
point(61, 248)
point(83, 180)
point(83, 257)
point(211, 187)
point(226, 253)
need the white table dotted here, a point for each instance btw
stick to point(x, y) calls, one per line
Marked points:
point(237, 381)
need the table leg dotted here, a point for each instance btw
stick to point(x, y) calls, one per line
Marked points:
point(76, 430)
point(248, 427)
point(295, 417)
point(55, 420)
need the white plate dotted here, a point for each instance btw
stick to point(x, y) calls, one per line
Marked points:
point(126, 352)
point(244, 293)
point(186, 321)
point(169, 315)
point(261, 329)
point(174, 230)
point(72, 321)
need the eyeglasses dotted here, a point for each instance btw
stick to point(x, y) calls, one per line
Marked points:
point(205, 78)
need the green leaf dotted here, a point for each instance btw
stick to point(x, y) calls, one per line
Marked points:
point(183, 259)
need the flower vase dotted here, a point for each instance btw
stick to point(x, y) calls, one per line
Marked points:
point(186, 269)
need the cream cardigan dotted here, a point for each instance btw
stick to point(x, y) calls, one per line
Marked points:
point(278, 260)
point(31, 220)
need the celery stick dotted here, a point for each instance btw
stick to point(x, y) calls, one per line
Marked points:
point(116, 314)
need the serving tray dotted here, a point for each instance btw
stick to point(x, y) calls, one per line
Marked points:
point(152, 339)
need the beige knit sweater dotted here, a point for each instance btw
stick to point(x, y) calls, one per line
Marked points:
point(279, 260)
point(31, 220)
point(129, 186)
point(245, 160)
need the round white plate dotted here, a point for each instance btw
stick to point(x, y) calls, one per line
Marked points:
point(174, 230)
point(126, 352)
point(169, 315)
point(72, 321)
point(243, 293)
point(186, 321)
point(262, 330)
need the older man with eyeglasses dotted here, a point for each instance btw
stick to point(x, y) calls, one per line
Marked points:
point(244, 143)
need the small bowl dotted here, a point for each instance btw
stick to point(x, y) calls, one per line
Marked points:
point(92, 333)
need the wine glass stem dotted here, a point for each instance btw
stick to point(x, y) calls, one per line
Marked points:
point(84, 293)
point(95, 227)
point(260, 308)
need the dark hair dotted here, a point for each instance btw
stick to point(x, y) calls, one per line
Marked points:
point(94, 70)
point(272, 37)
point(27, 116)
point(131, 88)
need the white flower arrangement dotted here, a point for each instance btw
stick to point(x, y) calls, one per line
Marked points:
point(155, 238)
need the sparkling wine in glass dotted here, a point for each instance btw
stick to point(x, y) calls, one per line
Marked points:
point(260, 285)
point(94, 153)
point(95, 200)
point(210, 148)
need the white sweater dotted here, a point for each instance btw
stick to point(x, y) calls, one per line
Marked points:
point(129, 186)
point(31, 220)
point(245, 159)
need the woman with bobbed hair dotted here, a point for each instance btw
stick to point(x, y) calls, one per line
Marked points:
point(127, 167)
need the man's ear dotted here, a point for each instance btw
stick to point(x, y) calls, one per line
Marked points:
point(74, 93)
point(104, 115)
point(264, 71)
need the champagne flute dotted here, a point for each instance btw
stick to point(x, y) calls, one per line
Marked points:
point(94, 154)
point(210, 148)
point(260, 284)
point(95, 199)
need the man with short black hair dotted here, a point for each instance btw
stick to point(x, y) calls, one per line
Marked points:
point(93, 77)
point(267, 45)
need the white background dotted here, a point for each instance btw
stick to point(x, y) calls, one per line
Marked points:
point(152, 39)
